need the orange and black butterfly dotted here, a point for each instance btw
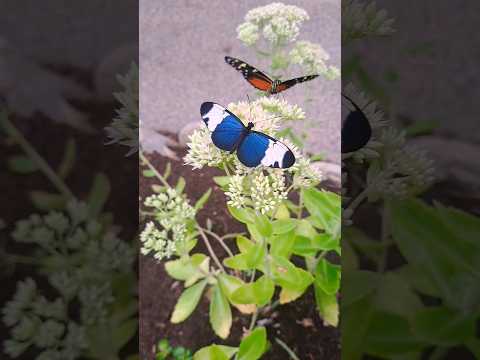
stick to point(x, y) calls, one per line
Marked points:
point(356, 129)
point(261, 81)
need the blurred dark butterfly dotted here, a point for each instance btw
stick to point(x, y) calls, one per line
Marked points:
point(261, 81)
point(356, 130)
point(253, 148)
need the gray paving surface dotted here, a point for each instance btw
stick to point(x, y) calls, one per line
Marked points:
point(182, 45)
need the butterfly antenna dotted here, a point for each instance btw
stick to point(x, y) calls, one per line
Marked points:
point(250, 108)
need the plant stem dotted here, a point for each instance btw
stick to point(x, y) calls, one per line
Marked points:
point(287, 349)
point(220, 240)
point(225, 167)
point(151, 167)
point(300, 205)
point(209, 248)
point(385, 239)
point(18, 137)
point(355, 202)
point(253, 321)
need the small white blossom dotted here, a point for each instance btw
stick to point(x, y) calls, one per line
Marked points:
point(278, 23)
point(361, 19)
point(312, 57)
point(268, 191)
point(236, 194)
point(248, 33)
point(173, 213)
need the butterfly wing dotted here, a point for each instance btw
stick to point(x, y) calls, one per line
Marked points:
point(226, 128)
point(254, 76)
point(284, 85)
point(260, 149)
point(356, 130)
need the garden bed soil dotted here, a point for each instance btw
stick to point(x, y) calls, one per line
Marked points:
point(297, 324)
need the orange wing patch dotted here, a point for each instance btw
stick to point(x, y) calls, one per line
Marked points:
point(260, 84)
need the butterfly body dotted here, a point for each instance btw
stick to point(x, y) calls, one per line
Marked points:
point(261, 81)
point(253, 148)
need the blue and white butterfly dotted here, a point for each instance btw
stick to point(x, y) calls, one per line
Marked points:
point(253, 148)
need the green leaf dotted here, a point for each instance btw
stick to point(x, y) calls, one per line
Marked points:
point(148, 173)
point(221, 181)
point(212, 352)
point(282, 212)
point(180, 185)
point(283, 226)
point(393, 286)
point(325, 207)
point(327, 306)
point(242, 214)
point(187, 302)
point(98, 194)
point(288, 275)
point(259, 292)
point(390, 335)
point(21, 164)
point(247, 261)
point(254, 345)
point(263, 225)
point(434, 247)
point(168, 171)
point(47, 201)
point(356, 318)
point(188, 269)
point(327, 276)
point(358, 284)
point(442, 326)
point(203, 199)
point(68, 161)
point(290, 293)
point(229, 284)
point(281, 245)
point(220, 313)
point(122, 334)
point(244, 244)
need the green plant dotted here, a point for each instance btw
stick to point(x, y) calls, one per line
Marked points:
point(86, 308)
point(290, 246)
point(423, 304)
point(165, 351)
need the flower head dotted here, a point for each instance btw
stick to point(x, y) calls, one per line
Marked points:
point(174, 214)
point(278, 23)
point(312, 57)
point(360, 19)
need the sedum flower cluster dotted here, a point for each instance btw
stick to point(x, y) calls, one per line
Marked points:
point(262, 189)
point(124, 127)
point(312, 57)
point(361, 19)
point(83, 259)
point(174, 214)
point(278, 23)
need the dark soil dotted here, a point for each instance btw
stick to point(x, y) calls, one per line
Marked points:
point(297, 324)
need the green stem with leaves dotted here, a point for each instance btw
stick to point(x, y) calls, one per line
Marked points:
point(30, 151)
